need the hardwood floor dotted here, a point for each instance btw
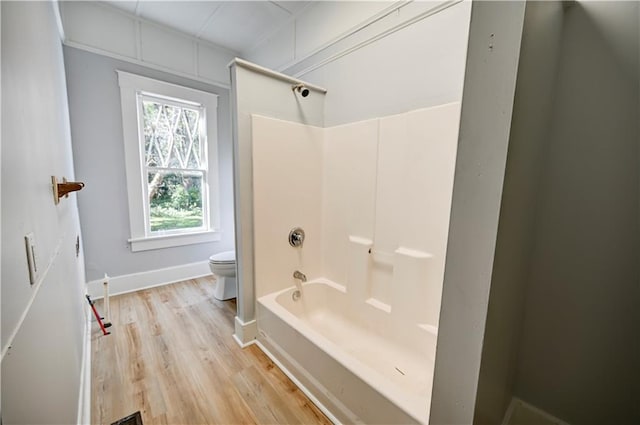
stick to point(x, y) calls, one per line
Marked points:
point(171, 356)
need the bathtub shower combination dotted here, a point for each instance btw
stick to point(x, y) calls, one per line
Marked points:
point(350, 310)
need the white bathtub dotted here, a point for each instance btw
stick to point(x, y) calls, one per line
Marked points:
point(357, 362)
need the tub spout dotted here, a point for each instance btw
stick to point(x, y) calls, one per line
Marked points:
point(299, 275)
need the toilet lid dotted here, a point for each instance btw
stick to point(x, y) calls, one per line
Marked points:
point(223, 257)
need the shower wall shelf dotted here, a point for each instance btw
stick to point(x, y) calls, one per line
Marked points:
point(64, 188)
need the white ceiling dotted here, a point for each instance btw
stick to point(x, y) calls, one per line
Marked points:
point(237, 25)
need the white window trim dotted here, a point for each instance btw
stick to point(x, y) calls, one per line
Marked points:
point(130, 86)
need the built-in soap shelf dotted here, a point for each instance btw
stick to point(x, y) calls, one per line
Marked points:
point(381, 257)
point(376, 303)
point(409, 286)
point(385, 257)
point(412, 253)
point(360, 241)
point(429, 328)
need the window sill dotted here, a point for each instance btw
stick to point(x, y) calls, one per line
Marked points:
point(169, 241)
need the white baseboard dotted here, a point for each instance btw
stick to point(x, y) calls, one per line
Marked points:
point(144, 280)
point(522, 413)
point(243, 344)
point(84, 397)
point(245, 333)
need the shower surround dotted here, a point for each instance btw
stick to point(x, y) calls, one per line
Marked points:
point(373, 198)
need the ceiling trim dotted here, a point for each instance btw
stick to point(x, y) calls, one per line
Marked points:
point(141, 20)
point(151, 65)
point(289, 67)
point(430, 12)
point(397, 5)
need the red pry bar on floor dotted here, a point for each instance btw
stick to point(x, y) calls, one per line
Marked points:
point(98, 318)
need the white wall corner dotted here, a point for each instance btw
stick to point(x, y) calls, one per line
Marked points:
point(137, 281)
point(246, 332)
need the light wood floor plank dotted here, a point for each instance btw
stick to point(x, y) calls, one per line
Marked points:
point(262, 398)
point(171, 355)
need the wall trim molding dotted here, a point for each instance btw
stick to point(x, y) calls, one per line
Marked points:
point(140, 20)
point(365, 23)
point(102, 52)
point(197, 44)
point(517, 403)
point(84, 396)
point(396, 6)
point(296, 66)
point(245, 332)
point(378, 35)
point(133, 282)
point(34, 293)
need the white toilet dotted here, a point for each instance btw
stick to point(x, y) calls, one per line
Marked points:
point(223, 266)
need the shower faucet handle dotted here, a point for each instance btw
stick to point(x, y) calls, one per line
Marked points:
point(296, 237)
point(299, 275)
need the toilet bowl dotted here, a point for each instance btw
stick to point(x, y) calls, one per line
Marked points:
point(223, 266)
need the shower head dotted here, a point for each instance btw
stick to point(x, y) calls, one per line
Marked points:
point(300, 88)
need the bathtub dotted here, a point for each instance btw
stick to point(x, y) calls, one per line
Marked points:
point(352, 359)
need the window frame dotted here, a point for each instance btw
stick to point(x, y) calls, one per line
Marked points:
point(133, 88)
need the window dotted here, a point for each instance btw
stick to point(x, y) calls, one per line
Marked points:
point(170, 140)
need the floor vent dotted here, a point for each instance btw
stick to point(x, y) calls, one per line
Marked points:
point(134, 419)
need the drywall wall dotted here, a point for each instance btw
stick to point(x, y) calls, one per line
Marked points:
point(254, 92)
point(418, 66)
point(579, 349)
point(98, 147)
point(392, 58)
point(530, 126)
point(489, 89)
point(42, 324)
point(101, 28)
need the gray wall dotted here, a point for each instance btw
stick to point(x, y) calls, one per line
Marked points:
point(580, 337)
point(42, 324)
point(96, 127)
point(423, 66)
point(563, 322)
point(532, 112)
